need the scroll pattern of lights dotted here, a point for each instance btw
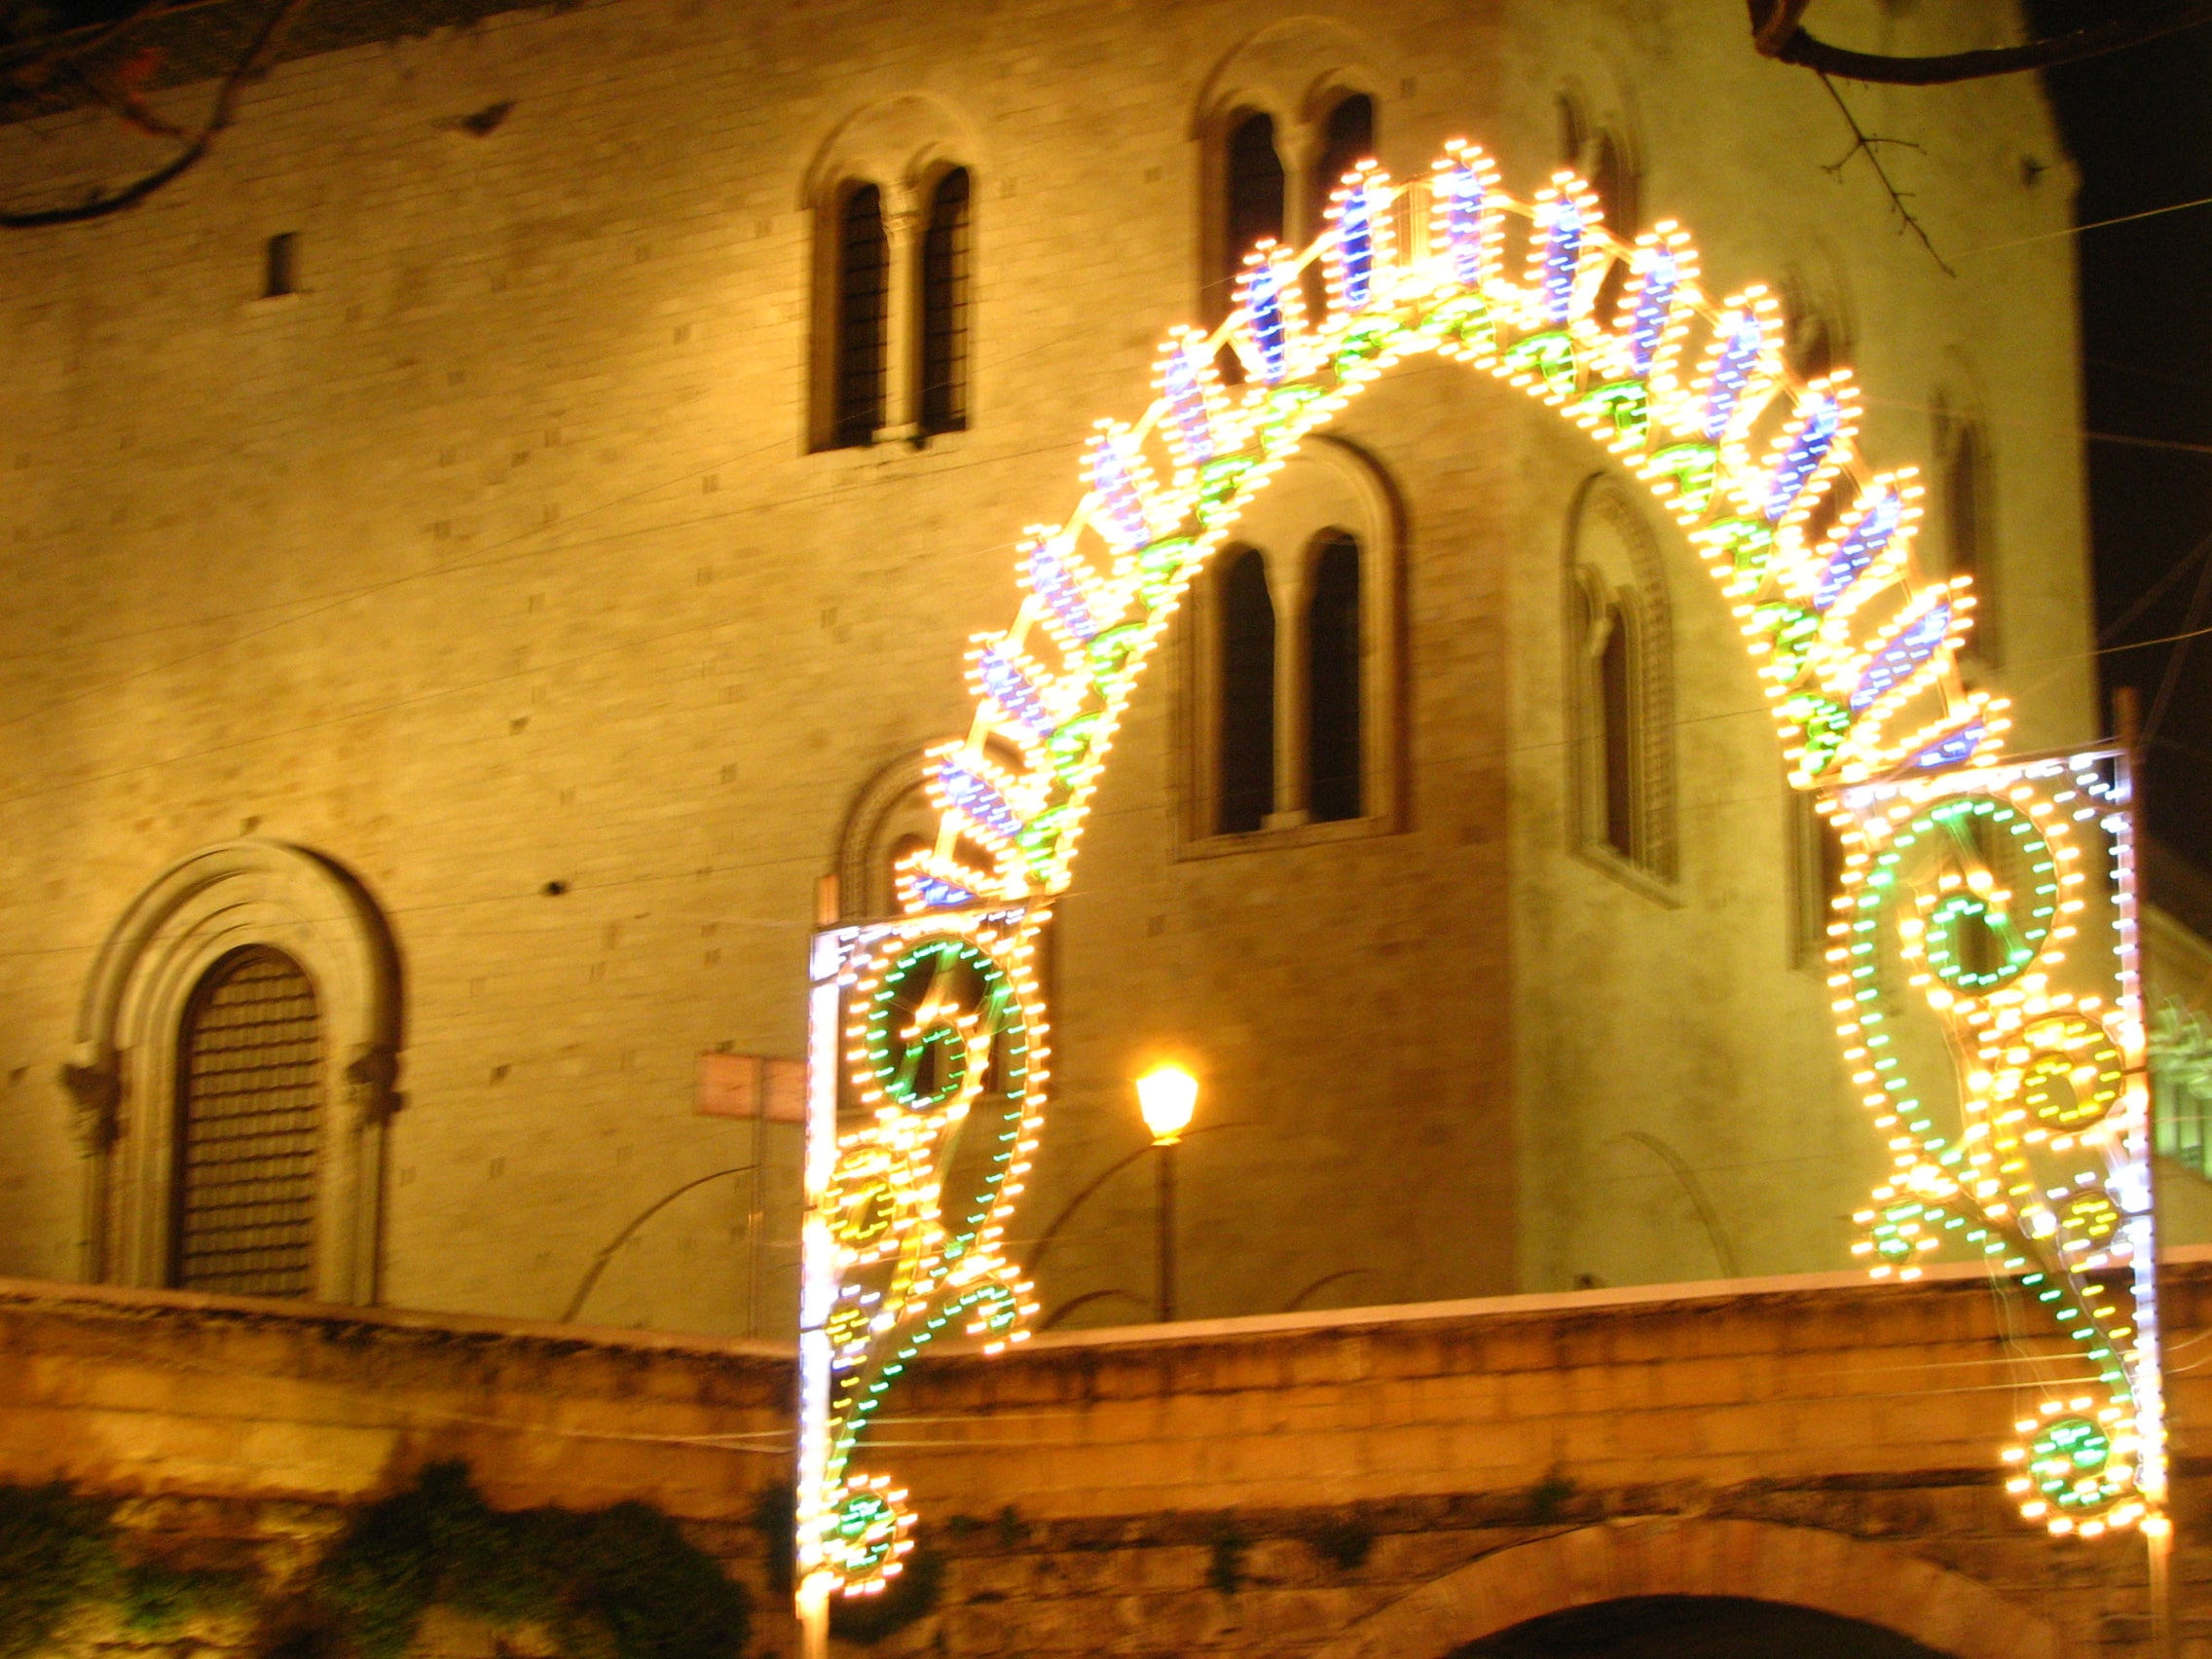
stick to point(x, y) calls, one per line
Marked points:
point(1964, 898)
point(943, 1061)
point(1856, 650)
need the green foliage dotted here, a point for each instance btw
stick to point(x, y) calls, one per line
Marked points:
point(913, 1595)
point(1225, 1568)
point(1343, 1544)
point(56, 1552)
point(620, 1583)
point(155, 1599)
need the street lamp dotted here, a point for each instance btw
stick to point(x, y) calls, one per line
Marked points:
point(1167, 1096)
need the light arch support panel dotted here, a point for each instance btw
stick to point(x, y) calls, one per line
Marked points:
point(1982, 954)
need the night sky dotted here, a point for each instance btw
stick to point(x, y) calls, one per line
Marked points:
point(2140, 125)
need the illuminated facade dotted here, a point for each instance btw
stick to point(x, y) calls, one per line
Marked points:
point(578, 561)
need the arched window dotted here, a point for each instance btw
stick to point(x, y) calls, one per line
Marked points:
point(944, 307)
point(863, 287)
point(1334, 788)
point(1254, 199)
point(249, 1129)
point(1614, 183)
point(1620, 690)
point(1965, 526)
point(1617, 728)
point(1247, 701)
point(1347, 140)
point(236, 1054)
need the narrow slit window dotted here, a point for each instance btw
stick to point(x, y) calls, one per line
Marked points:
point(944, 307)
point(1247, 704)
point(249, 1121)
point(1616, 716)
point(279, 266)
point(864, 291)
point(1966, 527)
point(1332, 642)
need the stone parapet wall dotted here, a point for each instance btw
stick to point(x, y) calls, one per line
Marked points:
point(1333, 1484)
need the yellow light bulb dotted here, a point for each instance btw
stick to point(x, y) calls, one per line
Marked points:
point(1168, 1096)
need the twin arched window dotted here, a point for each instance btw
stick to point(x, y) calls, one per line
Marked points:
point(1319, 777)
point(899, 318)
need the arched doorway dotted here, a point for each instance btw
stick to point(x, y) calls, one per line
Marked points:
point(1694, 1627)
point(1535, 1594)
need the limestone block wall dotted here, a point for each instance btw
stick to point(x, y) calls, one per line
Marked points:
point(1342, 1485)
point(494, 566)
point(239, 1434)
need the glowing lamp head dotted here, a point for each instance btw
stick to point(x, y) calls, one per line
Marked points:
point(1167, 1096)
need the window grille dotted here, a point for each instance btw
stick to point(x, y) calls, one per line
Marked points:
point(1248, 707)
point(864, 291)
point(1333, 651)
point(944, 308)
point(248, 1122)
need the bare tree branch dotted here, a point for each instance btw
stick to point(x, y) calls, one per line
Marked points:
point(1869, 146)
point(123, 94)
point(1773, 22)
point(1777, 33)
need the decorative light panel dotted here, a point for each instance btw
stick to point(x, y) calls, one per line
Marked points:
point(1985, 973)
point(1857, 652)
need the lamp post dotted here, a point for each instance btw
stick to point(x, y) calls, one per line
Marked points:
point(1167, 1096)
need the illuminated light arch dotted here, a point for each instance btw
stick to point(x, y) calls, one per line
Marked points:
point(1857, 652)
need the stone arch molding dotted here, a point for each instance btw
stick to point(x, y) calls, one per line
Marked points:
point(897, 144)
point(123, 1074)
point(1292, 69)
point(1804, 1567)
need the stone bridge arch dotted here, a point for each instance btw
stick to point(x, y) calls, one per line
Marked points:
point(1802, 1566)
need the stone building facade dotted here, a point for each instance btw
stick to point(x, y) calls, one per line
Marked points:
point(482, 601)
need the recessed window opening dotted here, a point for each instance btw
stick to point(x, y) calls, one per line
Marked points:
point(1613, 184)
point(1247, 704)
point(279, 265)
point(1333, 747)
point(944, 307)
point(1347, 141)
point(1964, 532)
point(864, 290)
point(1573, 132)
point(1255, 195)
point(1616, 713)
point(249, 1114)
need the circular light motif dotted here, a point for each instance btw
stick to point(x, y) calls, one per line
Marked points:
point(2091, 1218)
point(2068, 1463)
point(1974, 933)
point(866, 1534)
point(2074, 1074)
